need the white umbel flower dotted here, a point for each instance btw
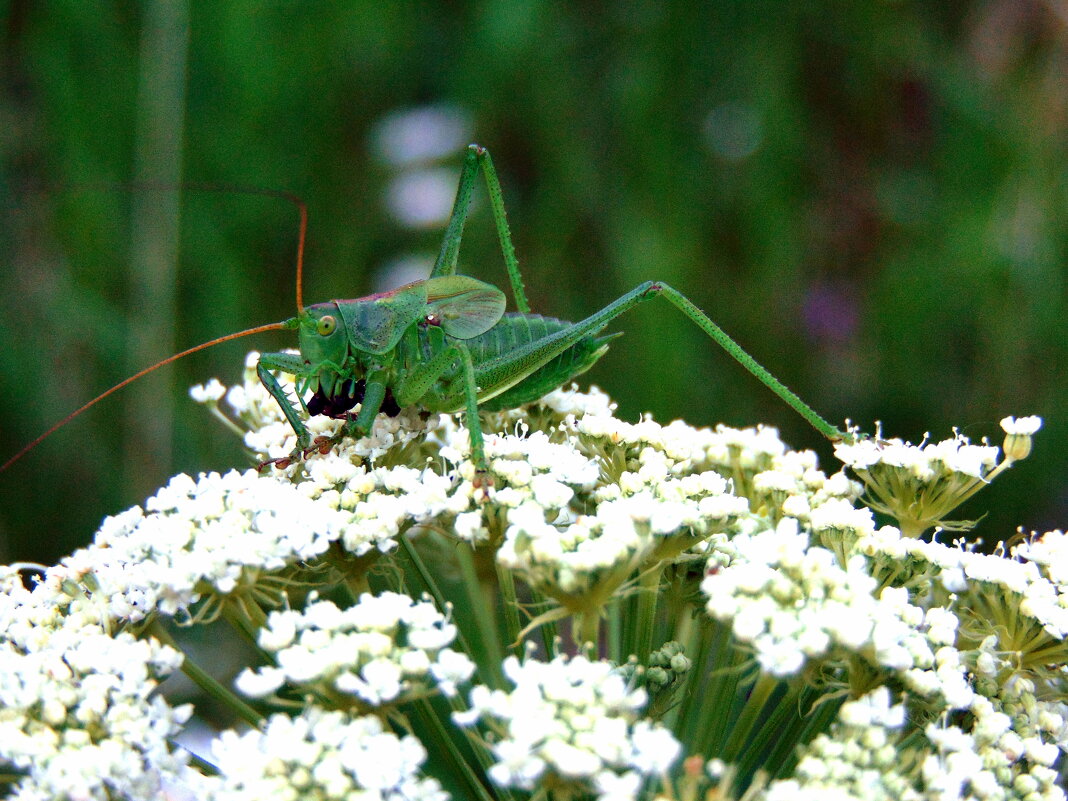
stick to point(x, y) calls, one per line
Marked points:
point(377, 650)
point(574, 719)
point(321, 755)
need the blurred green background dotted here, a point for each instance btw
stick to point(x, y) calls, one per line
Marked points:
point(871, 197)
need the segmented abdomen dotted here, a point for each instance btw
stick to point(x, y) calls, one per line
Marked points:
point(506, 338)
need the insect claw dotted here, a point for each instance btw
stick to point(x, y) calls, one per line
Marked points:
point(281, 464)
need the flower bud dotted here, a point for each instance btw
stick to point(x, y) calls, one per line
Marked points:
point(1018, 433)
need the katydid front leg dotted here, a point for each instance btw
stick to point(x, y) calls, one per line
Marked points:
point(294, 365)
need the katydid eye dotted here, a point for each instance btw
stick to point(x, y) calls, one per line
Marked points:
point(326, 325)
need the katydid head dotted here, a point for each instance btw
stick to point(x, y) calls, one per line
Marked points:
point(321, 336)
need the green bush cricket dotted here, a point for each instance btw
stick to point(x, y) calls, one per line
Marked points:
point(443, 344)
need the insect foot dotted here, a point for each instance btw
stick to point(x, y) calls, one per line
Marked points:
point(321, 445)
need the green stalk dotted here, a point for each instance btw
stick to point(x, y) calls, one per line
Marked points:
point(439, 598)
point(200, 677)
point(586, 629)
point(777, 726)
point(818, 719)
point(248, 629)
point(442, 737)
point(721, 689)
point(615, 631)
point(648, 596)
point(510, 607)
point(489, 652)
point(680, 719)
point(548, 630)
point(752, 712)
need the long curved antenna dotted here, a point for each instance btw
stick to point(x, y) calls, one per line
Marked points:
point(160, 186)
point(281, 194)
point(285, 324)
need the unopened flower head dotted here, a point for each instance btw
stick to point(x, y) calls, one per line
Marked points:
point(1018, 434)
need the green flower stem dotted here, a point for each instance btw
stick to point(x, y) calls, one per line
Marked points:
point(440, 600)
point(248, 628)
point(442, 739)
point(615, 631)
point(648, 596)
point(752, 712)
point(217, 413)
point(587, 631)
point(549, 636)
point(913, 529)
point(489, 651)
point(211, 687)
point(510, 608)
point(425, 576)
point(777, 734)
point(717, 700)
point(697, 643)
point(822, 710)
point(199, 762)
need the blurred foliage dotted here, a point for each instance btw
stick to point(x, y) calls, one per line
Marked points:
point(871, 197)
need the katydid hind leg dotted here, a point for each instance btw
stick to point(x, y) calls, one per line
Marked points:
point(525, 360)
point(478, 157)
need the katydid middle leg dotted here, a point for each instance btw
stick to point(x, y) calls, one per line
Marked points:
point(418, 382)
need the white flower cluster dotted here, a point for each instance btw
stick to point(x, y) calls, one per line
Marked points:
point(574, 720)
point(1049, 552)
point(989, 759)
point(919, 485)
point(381, 649)
point(924, 463)
point(211, 536)
point(657, 481)
point(79, 716)
point(858, 759)
point(570, 557)
point(319, 756)
point(863, 757)
point(792, 602)
point(1029, 585)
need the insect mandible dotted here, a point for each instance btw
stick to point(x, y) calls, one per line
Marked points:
point(443, 344)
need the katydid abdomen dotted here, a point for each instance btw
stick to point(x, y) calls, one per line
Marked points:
point(510, 334)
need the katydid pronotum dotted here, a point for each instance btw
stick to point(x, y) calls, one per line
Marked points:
point(444, 344)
